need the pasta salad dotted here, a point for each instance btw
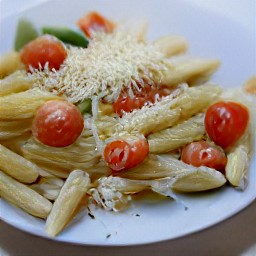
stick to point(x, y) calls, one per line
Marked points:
point(98, 115)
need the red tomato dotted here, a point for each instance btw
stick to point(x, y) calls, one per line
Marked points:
point(42, 50)
point(57, 123)
point(201, 153)
point(92, 22)
point(147, 95)
point(140, 150)
point(122, 155)
point(225, 122)
point(127, 104)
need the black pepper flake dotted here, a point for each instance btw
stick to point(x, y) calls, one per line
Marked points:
point(137, 215)
point(108, 236)
point(91, 215)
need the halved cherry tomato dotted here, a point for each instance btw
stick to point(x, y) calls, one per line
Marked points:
point(148, 94)
point(92, 22)
point(42, 50)
point(201, 153)
point(225, 122)
point(57, 123)
point(122, 155)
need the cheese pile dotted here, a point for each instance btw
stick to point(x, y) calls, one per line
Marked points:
point(110, 62)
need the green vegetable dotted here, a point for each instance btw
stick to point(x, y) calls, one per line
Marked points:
point(66, 35)
point(25, 33)
point(85, 106)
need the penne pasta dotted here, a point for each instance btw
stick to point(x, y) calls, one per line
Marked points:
point(171, 45)
point(9, 63)
point(49, 191)
point(23, 104)
point(48, 187)
point(15, 82)
point(24, 197)
point(15, 144)
point(169, 111)
point(177, 136)
point(238, 162)
point(10, 129)
point(191, 71)
point(60, 161)
point(17, 166)
point(71, 194)
point(184, 177)
point(198, 179)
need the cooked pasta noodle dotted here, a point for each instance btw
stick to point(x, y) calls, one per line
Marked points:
point(15, 82)
point(177, 136)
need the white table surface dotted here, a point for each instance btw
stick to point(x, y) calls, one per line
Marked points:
point(234, 236)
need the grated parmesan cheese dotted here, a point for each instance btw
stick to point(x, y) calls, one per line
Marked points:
point(110, 62)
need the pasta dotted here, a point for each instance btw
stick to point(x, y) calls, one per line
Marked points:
point(9, 63)
point(15, 82)
point(168, 112)
point(134, 117)
point(177, 136)
point(23, 104)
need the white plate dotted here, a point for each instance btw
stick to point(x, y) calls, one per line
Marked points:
point(211, 33)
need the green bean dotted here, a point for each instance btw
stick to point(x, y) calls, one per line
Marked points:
point(25, 33)
point(85, 106)
point(67, 35)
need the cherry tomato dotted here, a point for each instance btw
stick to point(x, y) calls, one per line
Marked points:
point(42, 50)
point(201, 153)
point(57, 123)
point(122, 155)
point(225, 122)
point(147, 95)
point(127, 104)
point(92, 22)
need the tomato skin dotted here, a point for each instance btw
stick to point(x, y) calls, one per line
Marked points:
point(92, 22)
point(147, 95)
point(127, 104)
point(57, 123)
point(42, 50)
point(225, 122)
point(125, 154)
point(202, 153)
point(140, 150)
point(116, 154)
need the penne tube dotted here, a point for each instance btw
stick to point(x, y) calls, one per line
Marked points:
point(24, 197)
point(191, 71)
point(250, 86)
point(184, 177)
point(198, 179)
point(71, 194)
point(10, 129)
point(105, 126)
point(15, 82)
point(23, 104)
point(238, 162)
point(9, 63)
point(49, 191)
point(17, 166)
point(59, 161)
point(177, 136)
point(171, 45)
point(15, 144)
point(52, 181)
point(169, 112)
